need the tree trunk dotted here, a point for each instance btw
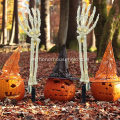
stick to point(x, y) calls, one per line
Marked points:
point(116, 43)
point(31, 5)
point(4, 22)
point(16, 21)
point(1, 38)
point(63, 27)
point(15, 27)
point(110, 28)
point(43, 25)
point(47, 22)
point(93, 46)
point(12, 32)
point(72, 25)
point(101, 8)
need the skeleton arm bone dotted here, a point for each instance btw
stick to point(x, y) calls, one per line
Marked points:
point(91, 17)
point(93, 24)
point(80, 57)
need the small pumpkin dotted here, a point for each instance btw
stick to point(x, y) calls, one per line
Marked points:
point(106, 90)
point(12, 87)
point(59, 89)
point(11, 84)
point(106, 84)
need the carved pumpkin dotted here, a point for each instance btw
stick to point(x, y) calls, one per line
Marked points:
point(12, 87)
point(106, 84)
point(59, 89)
point(106, 91)
point(11, 84)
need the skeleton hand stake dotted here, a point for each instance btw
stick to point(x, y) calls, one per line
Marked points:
point(83, 28)
point(33, 31)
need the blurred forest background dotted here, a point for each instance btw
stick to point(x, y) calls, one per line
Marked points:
point(58, 24)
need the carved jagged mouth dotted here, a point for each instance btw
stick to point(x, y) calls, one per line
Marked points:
point(10, 94)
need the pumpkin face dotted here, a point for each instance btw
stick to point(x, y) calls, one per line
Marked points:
point(12, 87)
point(106, 91)
point(59, 89)
point(106, 84)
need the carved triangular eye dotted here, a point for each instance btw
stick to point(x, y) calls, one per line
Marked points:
point(13, 85)
point(62, 86)
point(7, 80)
point(56, 81)
point(67, 83)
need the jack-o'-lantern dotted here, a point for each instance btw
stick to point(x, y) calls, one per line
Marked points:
point(12, 87)
point(11, 84)
point(106, 91)
point(59, 85)
point(106, 84)
point(59, 89)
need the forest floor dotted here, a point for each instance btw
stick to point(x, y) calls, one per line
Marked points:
point(46, 109)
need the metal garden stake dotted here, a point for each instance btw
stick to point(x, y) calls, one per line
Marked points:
point(31, 26)
point(83, 28)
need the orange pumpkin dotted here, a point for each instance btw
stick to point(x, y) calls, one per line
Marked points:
point(59, 89)
point(106, 84)
point(12, 87)
point(106, 90)
point(11, 84)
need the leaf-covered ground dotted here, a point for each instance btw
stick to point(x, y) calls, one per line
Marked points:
point(46, 109)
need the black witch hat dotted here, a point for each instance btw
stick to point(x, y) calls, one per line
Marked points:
point(61, 67)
